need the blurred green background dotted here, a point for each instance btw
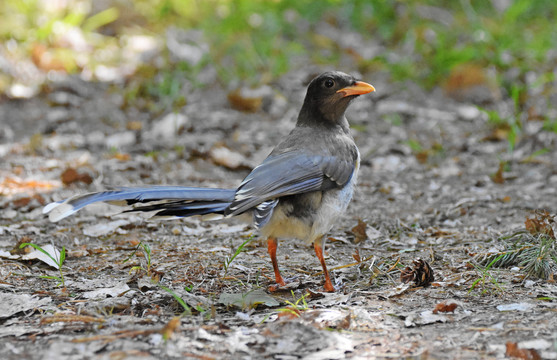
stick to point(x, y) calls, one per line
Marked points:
point(505, 46)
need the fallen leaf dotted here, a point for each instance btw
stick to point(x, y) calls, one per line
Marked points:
point(542, 223)
point(103, 229)
point(11, 186)
point(512, 350)
point(248, 300)
point(445, 307)
point(134, 125)
point(14, 303)
point(106, 292)
point(121, 156)
point(289, 313)
point(421, 318)
point(498, 176)
point(69, 318)
point(168, 127)
point(515, 307)
point(39, 255)
point(170, 328)
point(356, 255)
point(244, 102)
point(223, 156)
point(422, 156)
point(471, 83)
point(70, 176)
point(359, 231)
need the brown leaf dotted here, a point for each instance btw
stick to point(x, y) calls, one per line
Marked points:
point(21, 202)
point(70, 175)
point(471, 83)
point(542, 223)
point(289, 313)
point(422, 156)
point(121, 157)
point(26, 250)
point(314, 295)
point(85, 178)
point(243, 103)
point(171, 327)
point(506, 199)
point(134, 125)
point(445, 307)
point(68, 318)
point(356, 255)
point(526, 354)
point(46, 58)
point(25, 201)
point(498, 176)
point(359, 231)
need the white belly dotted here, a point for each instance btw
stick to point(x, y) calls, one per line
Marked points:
point(330, 206)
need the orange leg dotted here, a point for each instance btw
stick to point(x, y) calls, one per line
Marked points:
point(272, 248)
point(317, 245)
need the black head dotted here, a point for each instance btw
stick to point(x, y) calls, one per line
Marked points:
point(328, 96)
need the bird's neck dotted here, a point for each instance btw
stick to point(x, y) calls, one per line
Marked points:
point(311, 117)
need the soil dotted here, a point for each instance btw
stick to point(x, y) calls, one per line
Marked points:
point(430, 187)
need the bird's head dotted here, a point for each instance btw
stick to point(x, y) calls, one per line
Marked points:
point(328, 96)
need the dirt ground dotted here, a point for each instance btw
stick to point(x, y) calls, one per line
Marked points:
point(438, 202)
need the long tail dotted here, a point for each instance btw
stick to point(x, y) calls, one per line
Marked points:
point(162, 200)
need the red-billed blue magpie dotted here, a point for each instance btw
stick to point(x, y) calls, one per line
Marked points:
point(298, 191)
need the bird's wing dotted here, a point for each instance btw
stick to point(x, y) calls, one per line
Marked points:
point(290, 173)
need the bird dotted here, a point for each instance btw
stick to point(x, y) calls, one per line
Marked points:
point(299, 191)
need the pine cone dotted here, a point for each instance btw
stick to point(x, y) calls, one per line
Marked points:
point(421, 274)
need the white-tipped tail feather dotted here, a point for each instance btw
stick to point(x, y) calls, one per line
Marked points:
point(164, 201)
point(58, 211)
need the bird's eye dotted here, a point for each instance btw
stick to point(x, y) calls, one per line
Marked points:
point(329, 83)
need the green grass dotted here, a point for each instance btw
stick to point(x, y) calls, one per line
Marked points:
point(228, 260)
point(147, 255)
point(257, 41)
point(296, 307)
point(485, 277)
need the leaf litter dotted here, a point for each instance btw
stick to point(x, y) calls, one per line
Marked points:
point(439, 204)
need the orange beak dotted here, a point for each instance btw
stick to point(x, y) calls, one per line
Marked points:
point(359, 88)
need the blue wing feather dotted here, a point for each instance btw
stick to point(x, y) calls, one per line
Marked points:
point(288, 174)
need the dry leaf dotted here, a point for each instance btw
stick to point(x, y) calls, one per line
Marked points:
point(542, 223)
point(46, 59)
point(244, 103)
point(525, 354)
point(68, 318)
point(134, 125)
point(70, 175)
point(359, 231)
point(471, 83)
point(422, 156)
point(445, 307)
point(498, 176)
point(171, 327)
point(24, 201)
point(356, 255)
point(223, 156)
point(289, 313)
point(121, 156)
point(11, 186)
